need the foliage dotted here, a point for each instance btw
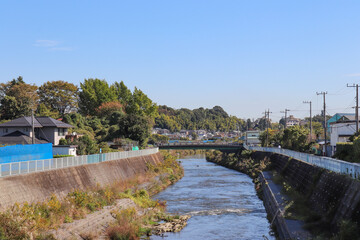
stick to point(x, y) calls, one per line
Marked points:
point(94, 92)
point(123, 94)
point(142, 105)
point(58, 95)
point(62, 156)
point(106, 109)
point(44, 111)
point(135, 127)
point(215, 119)
point(157, 138)
point(345, 151)
point(17, 99)
point(295, 138)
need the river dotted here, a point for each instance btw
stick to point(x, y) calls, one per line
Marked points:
point(222, 202)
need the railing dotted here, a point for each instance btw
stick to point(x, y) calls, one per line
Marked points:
point(16, 168)
point(199, 143)
point(332, 164)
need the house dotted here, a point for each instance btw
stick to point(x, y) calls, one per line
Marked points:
point(292, 121)
point(340, 116)
point(341, 131)
point(19, 131)
point(253, 138)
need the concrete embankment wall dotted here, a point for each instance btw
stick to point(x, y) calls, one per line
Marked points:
point(333, 196)
point(38, 186)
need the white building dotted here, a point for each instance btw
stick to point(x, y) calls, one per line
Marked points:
point(292, 121)
point(253, 138)
point(341, 131)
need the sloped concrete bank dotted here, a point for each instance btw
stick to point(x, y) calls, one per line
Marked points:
point(36, 187)
point(333, 197)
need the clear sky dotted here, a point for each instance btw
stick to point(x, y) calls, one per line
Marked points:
point(245, 56)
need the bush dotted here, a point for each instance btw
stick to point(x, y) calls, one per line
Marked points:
point(345, 151)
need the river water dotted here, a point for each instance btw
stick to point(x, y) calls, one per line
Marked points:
point(222, 202)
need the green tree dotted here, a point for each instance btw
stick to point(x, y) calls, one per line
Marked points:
point(59, 95)
point(43, 111)
point(122, 93)
point(19, 99)
point(141, 104)
point(94, 92)
point(135, 127)
point(295, 138)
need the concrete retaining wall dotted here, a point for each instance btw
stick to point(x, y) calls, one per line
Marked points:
point(333, 196)
point(36, 187)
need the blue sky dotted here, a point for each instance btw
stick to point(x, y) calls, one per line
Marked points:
point(245, 56)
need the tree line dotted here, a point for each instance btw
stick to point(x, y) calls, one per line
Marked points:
point(97, 110)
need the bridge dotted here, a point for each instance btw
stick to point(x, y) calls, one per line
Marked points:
point(225, 147)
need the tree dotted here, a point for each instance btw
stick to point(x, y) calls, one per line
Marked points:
point(141, 104)
point(58, 95)
point(194, 136)
point(135, 127)
point(94, 92)
point(19, 99)
point(4, 87)
point(106, 109)
point(122, 93)
point(295, 138)
point(43, 111)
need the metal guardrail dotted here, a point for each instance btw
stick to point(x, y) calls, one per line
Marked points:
point(198, 144)
point(16, 168)
point(332, 164)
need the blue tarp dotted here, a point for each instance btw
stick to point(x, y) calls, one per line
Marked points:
point(19, 153)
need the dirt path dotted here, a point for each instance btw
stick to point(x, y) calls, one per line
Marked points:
point(93, 224)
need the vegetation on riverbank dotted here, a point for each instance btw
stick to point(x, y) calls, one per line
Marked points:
point(31, 221)
point(299, 208)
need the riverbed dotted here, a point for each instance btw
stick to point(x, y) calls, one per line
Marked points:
point(222, 202)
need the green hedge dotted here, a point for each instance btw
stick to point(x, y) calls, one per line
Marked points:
point(345, 151)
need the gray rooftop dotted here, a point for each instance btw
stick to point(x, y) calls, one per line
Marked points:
point(38, 123)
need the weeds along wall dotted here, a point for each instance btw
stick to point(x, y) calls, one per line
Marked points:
point(331, 195)
point(38, 186)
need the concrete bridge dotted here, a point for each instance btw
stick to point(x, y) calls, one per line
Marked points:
point(225, 147)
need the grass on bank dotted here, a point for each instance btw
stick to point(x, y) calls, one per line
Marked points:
point(28, 221)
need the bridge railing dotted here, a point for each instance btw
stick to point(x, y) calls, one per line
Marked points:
point(332, 164)
point(16, 168)
point(198, 144)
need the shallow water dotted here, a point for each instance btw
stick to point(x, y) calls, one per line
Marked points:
point(222, 202)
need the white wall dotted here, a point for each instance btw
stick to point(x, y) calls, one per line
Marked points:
point(65, 150)
point(340, 129)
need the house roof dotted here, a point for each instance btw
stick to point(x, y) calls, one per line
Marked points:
point(50, 122)
point(38, 123)
point(19, 138)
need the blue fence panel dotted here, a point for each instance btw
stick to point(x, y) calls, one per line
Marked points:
point(19, 153)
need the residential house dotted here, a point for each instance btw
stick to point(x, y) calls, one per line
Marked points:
point(341, 131)
point(292, 121)
point(252, 138)
point(340, 116)
point(19, 131)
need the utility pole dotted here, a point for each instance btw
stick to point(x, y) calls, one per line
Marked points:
point(267, 121)
point(309, 102)
point(32, 126)
point(325, 125)
point(286, 110)
point(357, 105)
